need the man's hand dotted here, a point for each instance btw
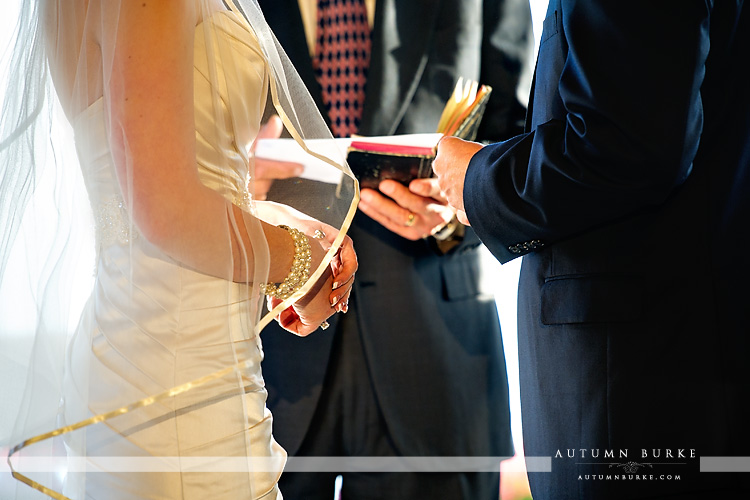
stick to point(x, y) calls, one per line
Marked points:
point(450, 165)
point(413, 213)
point(266, 171)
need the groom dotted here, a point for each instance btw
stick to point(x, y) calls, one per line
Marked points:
point(416, 366)
point(628, 198)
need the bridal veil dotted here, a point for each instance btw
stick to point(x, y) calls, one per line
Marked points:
point(66, 66)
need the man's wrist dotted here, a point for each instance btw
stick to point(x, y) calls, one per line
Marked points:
point(449, 235)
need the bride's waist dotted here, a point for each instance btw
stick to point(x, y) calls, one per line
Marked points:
point(138, 280)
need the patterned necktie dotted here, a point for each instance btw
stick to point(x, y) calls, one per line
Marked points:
point(342, 57)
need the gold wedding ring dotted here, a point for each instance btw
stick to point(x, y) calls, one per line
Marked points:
point(410, 220)
point(324, 325)
point(318, 234)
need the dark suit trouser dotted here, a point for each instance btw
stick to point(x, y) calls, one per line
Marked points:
point(348, 422)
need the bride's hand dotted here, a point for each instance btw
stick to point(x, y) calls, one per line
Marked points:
point(343, 265)
point(329, 294)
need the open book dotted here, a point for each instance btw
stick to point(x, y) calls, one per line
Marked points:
point(399, 157)
point(464, 110)
point(406, 157)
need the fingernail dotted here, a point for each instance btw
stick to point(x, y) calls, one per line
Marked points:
point(346, 307)
point(335, 285)
point(334, 300)
point(298, 171)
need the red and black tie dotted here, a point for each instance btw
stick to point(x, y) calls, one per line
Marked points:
point(342, 58)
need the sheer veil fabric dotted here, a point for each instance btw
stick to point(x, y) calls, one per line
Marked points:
point(153, 388)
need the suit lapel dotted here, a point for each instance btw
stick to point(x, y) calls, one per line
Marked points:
point(401, 37)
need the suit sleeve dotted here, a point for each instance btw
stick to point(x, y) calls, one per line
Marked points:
point(624, 141)
point(507, 45)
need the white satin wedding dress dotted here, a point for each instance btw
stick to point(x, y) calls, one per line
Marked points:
point(152, 324)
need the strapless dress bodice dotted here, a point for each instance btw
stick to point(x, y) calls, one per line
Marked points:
point(228, 104)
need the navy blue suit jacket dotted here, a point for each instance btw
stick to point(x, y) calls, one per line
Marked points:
point(428, 322)
point(629, 196)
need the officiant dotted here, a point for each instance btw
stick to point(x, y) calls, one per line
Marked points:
point(416, 365)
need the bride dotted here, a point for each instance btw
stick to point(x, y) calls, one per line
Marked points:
point(165, 99)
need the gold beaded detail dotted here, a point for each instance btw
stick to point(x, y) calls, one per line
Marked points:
point(300, 268)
